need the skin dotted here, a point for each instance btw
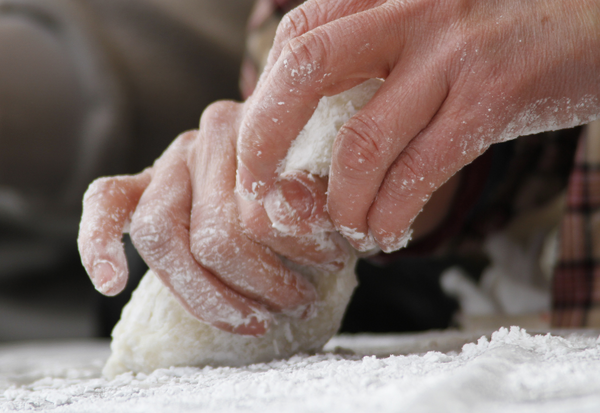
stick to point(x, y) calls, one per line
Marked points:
point(460, 76)
point(216, 251)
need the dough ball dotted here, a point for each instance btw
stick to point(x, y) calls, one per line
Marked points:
point(311, 150)
point(155, 331)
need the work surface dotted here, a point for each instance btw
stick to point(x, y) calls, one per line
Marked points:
point(510, 371)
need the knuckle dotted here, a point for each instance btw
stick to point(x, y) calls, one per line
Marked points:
point(216, 111)
point(186, 138)
point(302, 57)
point(410, 172)
point(413, 162)
point(360, 147)
point(100, 187)
point(294, 24)
point(151, 229)
point(212, 242)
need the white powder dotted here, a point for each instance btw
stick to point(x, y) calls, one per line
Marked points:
point(311, 150)
point(514, 372)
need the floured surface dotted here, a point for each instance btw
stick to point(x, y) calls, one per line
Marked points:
point(513, 372)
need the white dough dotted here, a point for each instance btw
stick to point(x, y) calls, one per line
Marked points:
point(156, 332)
point(311, 150)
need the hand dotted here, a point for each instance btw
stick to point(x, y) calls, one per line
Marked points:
point(208, 246)
point(459, 76)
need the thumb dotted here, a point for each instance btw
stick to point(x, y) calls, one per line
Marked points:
point(298, 205)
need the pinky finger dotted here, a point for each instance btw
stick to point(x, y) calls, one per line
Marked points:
point(107, 208)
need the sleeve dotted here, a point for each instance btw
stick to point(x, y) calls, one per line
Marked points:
point(576, 278)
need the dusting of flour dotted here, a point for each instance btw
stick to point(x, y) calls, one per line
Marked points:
point(513, 372)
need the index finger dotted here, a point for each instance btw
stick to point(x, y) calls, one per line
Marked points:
point(324, 61)
point(310, 15)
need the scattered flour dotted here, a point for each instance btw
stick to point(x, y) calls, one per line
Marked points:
point(513, 372)
point(156, 332)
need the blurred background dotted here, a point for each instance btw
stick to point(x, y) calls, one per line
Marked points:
point(91, 88)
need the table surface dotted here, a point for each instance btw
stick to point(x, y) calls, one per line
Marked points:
point(510, 370)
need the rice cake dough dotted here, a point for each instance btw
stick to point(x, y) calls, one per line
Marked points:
point(155, 331)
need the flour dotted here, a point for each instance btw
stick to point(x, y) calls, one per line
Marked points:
point(510, 372)
point(156, 332)
point(311, 150)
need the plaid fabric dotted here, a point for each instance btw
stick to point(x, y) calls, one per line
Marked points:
point(576, 283)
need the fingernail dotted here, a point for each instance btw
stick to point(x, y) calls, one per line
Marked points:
point(298, 197)
point(303, 312)
point(359, 240)
point(104, 277)
point(394, 242)
point(332, 266)
point(247, 186)
point(289, 203)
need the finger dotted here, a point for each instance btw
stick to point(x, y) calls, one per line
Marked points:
point(298, 204)
point(368, 144)
point(294, 222)
point(160, 232)
point(310, 15)
point(434, 156)
point(324, 61)
point(324, 249)
point(218, 241)
point(107, 208)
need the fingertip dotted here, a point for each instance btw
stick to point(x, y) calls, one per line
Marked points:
point(394, 242)
point(106, 278)
point(360, 241)
point(295, 294)
point(255, 328)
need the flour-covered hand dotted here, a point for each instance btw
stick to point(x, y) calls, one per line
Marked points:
point(459, 76)
point(207, 245)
